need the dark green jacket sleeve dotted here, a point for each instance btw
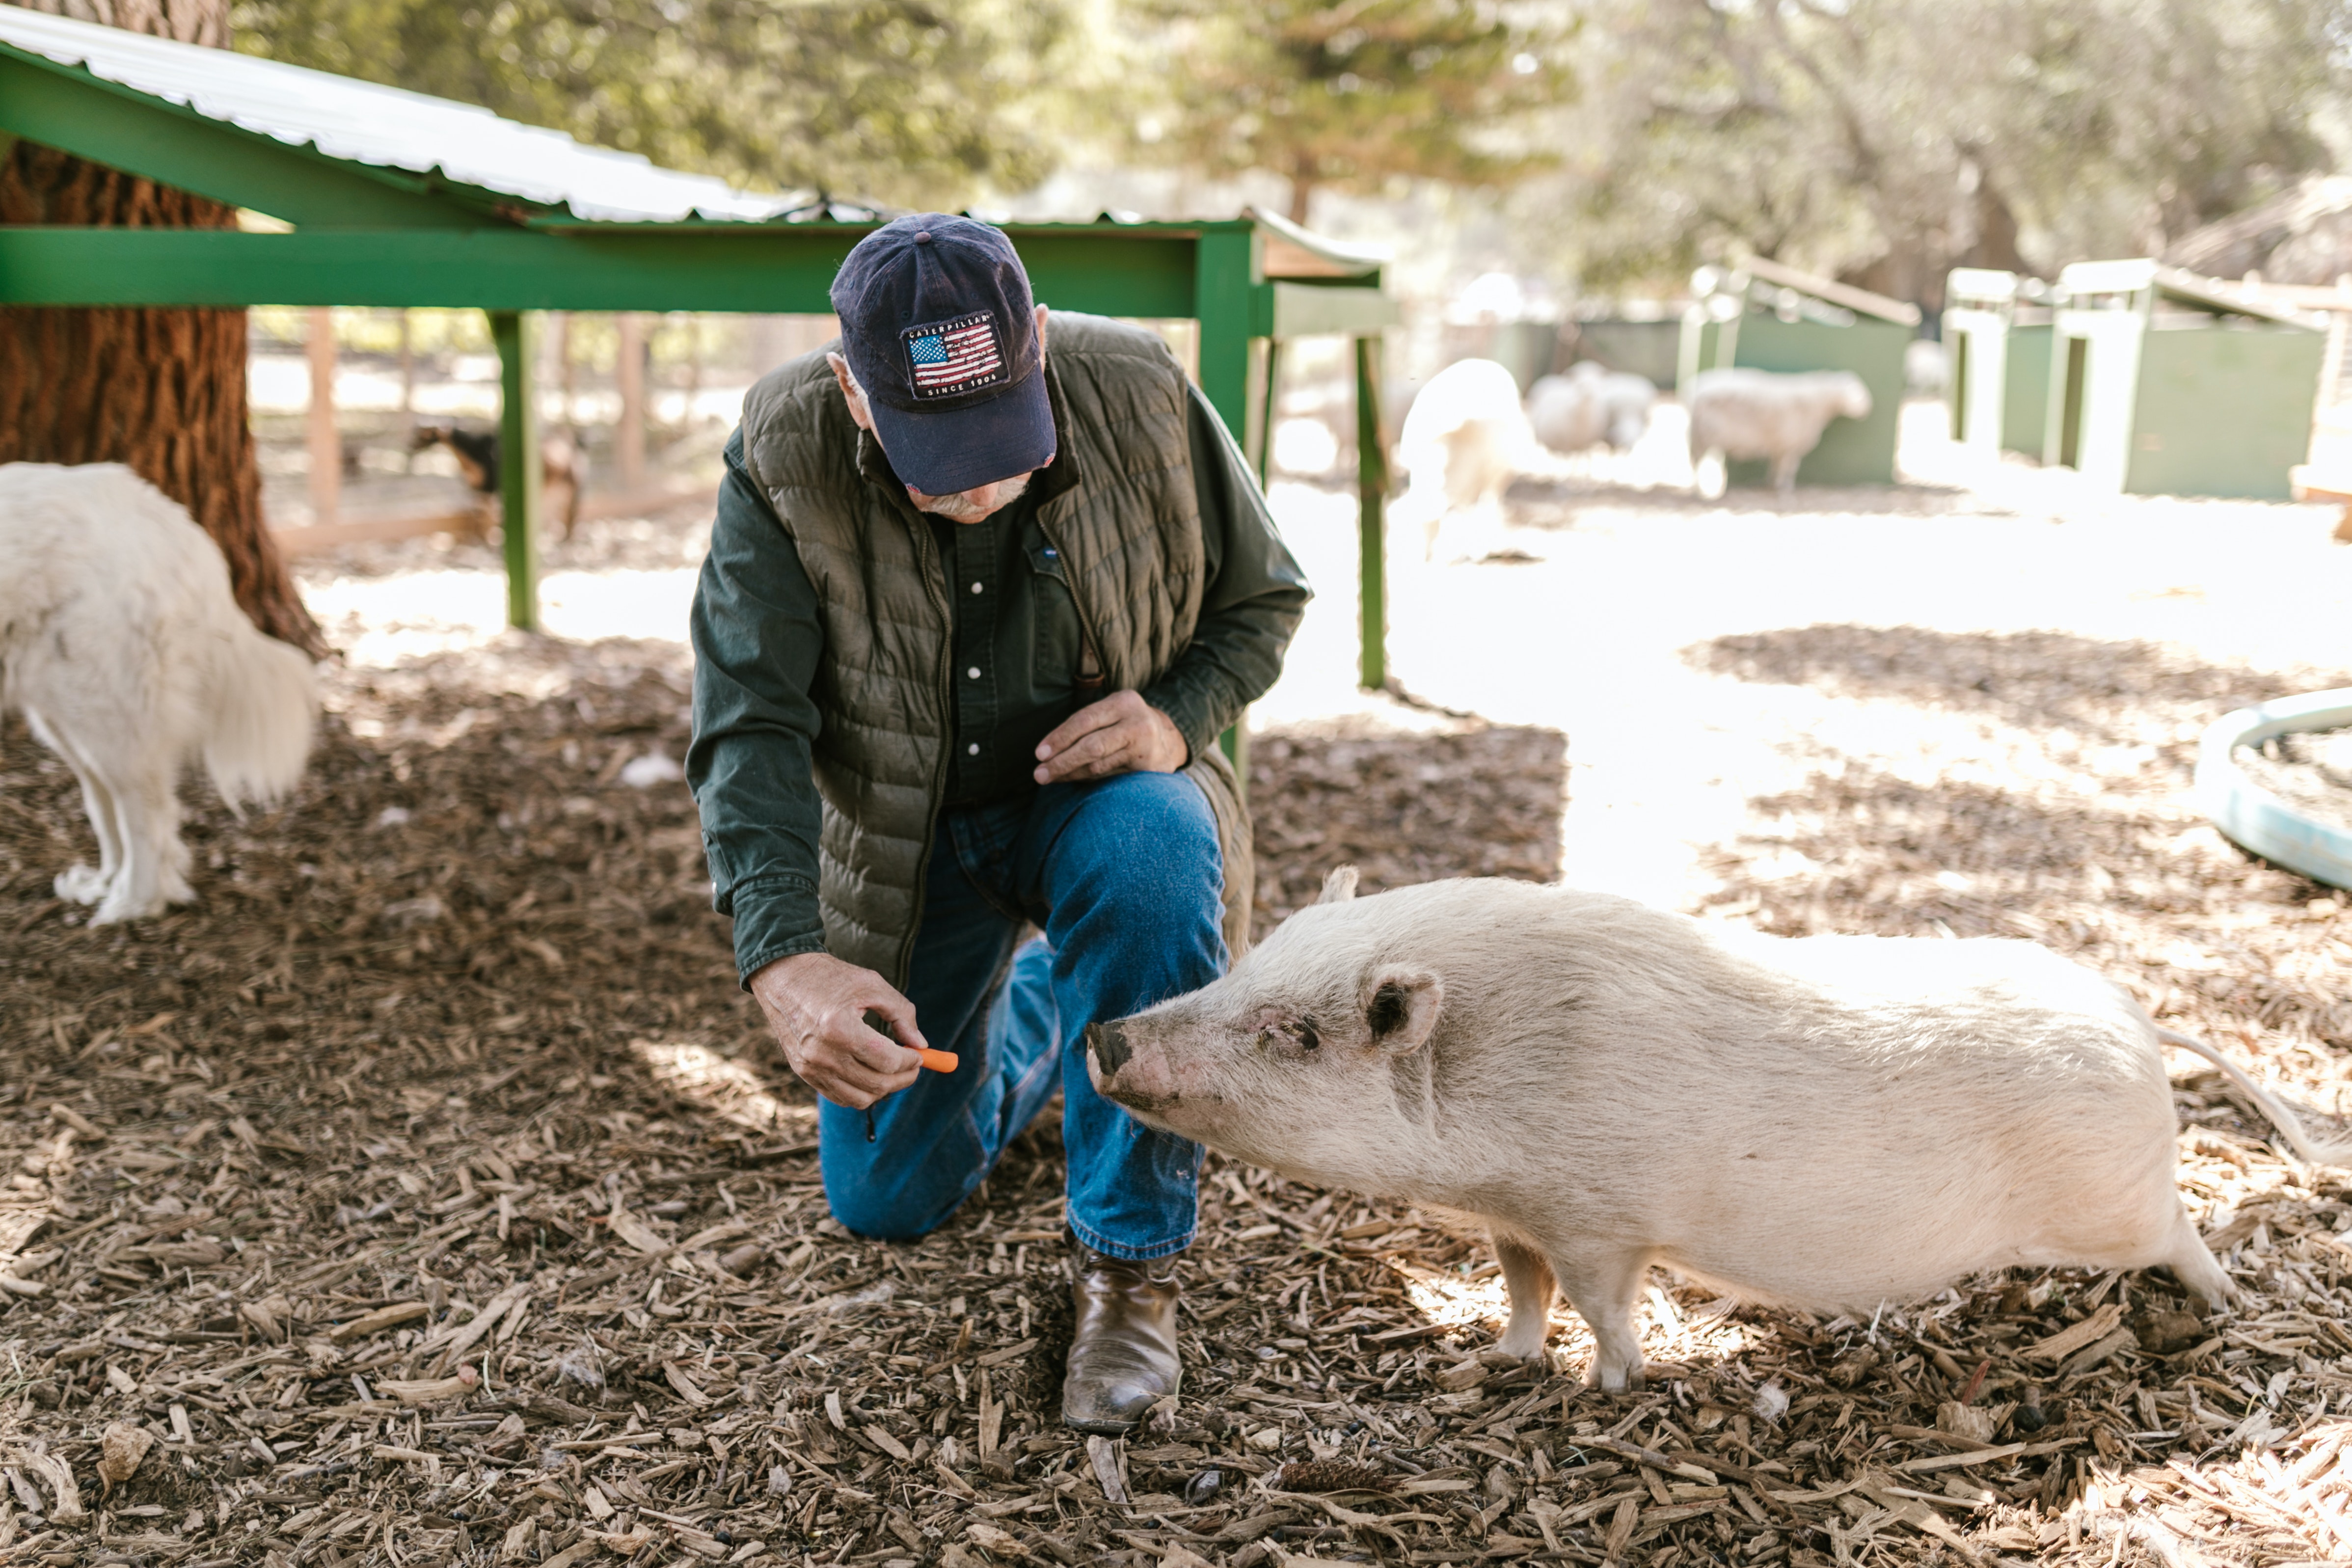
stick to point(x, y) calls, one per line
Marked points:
point(757, 639)
point(1255, 598)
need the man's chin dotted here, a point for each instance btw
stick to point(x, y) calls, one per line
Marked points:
point(955, 509)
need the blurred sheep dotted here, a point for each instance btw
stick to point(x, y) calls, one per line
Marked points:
point(1589, 406)
point(1757, 414)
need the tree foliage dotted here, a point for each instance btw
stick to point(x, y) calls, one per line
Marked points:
point(900, 100)
point(1890, 140)
point(1348, 94)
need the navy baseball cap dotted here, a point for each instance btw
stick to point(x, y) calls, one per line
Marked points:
point(938, 327)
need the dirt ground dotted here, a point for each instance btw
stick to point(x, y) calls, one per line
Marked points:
point(425, 1193)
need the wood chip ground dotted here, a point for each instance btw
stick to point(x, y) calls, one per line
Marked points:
point(425, 1195)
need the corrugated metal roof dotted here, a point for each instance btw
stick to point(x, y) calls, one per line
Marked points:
point(384, 127)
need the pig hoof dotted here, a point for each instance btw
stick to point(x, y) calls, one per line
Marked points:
point(1616, 1379)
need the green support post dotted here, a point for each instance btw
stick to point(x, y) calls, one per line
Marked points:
point(516, 332)
point(1223, 271)
point(1371, 497)
point(1265, 427)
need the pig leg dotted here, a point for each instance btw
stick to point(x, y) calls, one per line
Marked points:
point(2192, 1262)
point(1528, 1278)
point(1601, 1286)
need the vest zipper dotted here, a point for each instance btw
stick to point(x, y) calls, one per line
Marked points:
point(924, 547)
point(1091, 673)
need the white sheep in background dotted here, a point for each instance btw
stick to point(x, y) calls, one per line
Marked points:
point(120, 643)
point(1462, 441)
point(1751, 413)
point(1588, 407)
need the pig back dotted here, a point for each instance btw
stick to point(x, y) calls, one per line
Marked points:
point(1831, 1121)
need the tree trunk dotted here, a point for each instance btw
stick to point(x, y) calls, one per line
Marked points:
point(162, 391)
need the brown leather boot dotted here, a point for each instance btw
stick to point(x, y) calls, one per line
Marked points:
point(1123, 1354)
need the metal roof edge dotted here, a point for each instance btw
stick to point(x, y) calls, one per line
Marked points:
point(1343, 258)
point(2133, 274)
point(74, 50)
point(1902, 312)
point(477, 201)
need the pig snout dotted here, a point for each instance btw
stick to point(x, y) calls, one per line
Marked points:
point(1127, 1070)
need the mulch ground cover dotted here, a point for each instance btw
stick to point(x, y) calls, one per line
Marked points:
point(426, 1194)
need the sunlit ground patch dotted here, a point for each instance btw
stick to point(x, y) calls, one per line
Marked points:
point(728, 1088)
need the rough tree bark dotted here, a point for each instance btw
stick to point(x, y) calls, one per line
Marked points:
point(162, 391)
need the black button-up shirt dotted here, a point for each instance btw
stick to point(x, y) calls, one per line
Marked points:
point(759, 638)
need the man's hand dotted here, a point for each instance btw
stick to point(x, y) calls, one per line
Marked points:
point(816, 1006)
point(1120, 734)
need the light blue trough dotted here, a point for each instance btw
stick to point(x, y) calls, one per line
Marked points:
point(2254, 818)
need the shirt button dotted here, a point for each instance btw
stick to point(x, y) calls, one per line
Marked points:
point(974, 672)
point(976, 587)
point(973, 749)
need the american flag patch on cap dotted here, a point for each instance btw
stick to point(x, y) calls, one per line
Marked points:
point(952, 357)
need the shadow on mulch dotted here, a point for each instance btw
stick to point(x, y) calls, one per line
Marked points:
point(1554, 503)
point(2108, 690)
point(1468, 799)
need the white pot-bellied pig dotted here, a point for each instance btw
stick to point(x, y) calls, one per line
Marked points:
point(1826, 1123)
point(1751, 413)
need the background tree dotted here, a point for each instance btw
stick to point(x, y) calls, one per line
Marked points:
point(1890, 140)
point(896, 100)
point(164, 391)
point(1348, 94)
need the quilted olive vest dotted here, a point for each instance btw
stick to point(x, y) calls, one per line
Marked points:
point(1124, 517)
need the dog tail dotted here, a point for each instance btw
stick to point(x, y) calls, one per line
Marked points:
point(2338, 1153)
point(262, 698)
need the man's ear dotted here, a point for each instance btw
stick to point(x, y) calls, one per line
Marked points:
point(851, 393)
point(1340, 886)
point(1040, 329)
point(1400, 1005)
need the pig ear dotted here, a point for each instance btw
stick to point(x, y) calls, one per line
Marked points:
point(1400, 1005)
point(1340, 886)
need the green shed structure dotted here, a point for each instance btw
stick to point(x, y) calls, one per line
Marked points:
point(1760, 315)
point(2163, 383)
point(371, 195)
point(1997, 326)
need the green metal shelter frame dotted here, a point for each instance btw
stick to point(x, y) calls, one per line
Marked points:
point(361, 233)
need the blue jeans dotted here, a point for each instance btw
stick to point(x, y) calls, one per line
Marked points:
point(1124, 876)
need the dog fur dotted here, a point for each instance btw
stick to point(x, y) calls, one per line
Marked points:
point(120, 643)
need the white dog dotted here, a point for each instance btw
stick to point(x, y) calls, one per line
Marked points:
point(1463, 440)
point(120, 641)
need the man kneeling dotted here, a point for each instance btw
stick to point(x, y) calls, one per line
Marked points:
point(972, 621)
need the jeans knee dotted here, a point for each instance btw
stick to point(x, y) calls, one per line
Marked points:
point(1164, 858)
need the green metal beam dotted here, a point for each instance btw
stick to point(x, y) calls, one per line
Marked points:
point(780, 269)
point(66, 108)
point(517, 335)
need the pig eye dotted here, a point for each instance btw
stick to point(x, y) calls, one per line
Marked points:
point(1308, 1037)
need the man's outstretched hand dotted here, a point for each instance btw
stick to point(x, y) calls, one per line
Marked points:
point(1120, 734)
point(816, 1006)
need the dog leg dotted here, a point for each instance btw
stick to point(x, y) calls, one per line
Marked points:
point(152, 853)
point(80, 883)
